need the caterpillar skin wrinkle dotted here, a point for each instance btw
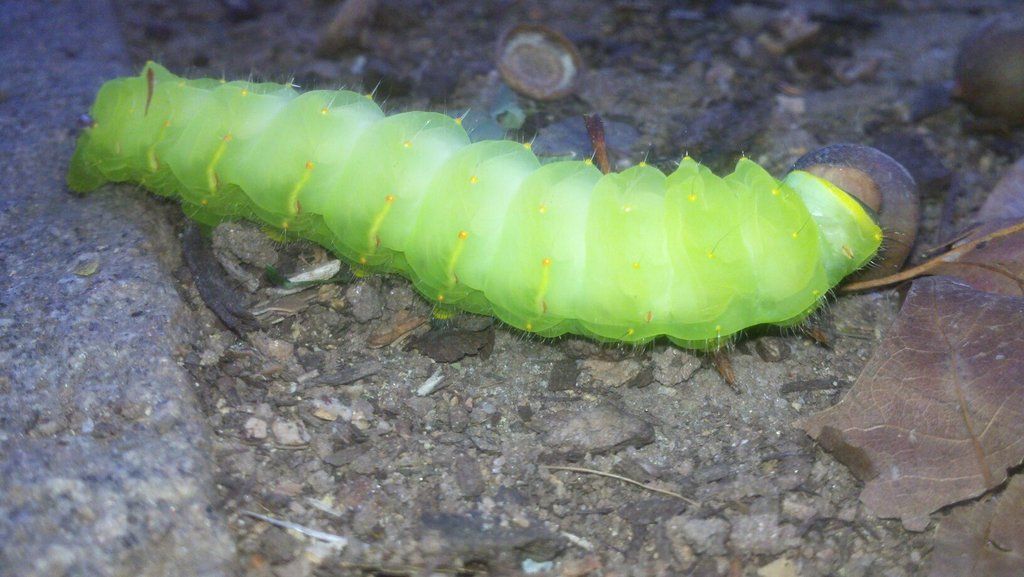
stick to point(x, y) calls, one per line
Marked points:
point(485, 227)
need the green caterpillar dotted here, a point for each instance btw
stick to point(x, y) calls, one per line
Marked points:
point(485, 227)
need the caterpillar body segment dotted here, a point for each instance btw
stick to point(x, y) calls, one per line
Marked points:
point(549, 249)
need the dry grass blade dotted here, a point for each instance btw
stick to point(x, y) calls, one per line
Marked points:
point(623, 479)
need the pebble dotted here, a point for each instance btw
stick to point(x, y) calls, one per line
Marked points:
point(597, 430)
point(781, 567)
point(703, 535)
point(246, 242)
point(468, 477)
point(278, 546)
point(274, 349)
point(569, 138)
point(563, 376)
point(673, 366)
point(772, 349)
point(255, 429)
point(762, 534)
point(290, 433)
point(364, 302)
point(330, 408)
point(611, 373)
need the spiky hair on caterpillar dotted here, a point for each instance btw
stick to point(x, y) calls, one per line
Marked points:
point(484, 226)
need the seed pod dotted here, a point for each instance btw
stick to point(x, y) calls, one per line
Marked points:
point(990, 72)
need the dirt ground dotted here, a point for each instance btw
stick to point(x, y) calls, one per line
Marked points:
point(329, 417)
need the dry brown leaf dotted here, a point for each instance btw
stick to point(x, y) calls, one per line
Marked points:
point(996, 265)
point(937, 415)
point(990, 259)
point(985, 539)
point(1007, 198)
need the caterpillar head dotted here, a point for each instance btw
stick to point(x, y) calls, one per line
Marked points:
point(881, 184)
point(849, 234)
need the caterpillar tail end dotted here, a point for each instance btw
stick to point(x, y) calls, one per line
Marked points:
point(83, 177)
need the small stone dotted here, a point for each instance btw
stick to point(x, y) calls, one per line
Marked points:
point(274, 349)
point(772, 349)
point(364, 302)
point(611, 373)
point(246, 242)
point(290, 433)
point(798, 508)
point(563, 375)
point(791, 105)
point(255, 429)
point(705, 536)
point(468, 477)
point(329, 409)
point(762, 534)
point(598, 430)
point(781, 567)
point(278, 546)
point(673, 366)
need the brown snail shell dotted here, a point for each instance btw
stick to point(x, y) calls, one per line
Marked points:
point(539, 62)
point(880, 183)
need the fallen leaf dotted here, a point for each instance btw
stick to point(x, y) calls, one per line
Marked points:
point(937, 415)
point(985, 539)
point(995, 265)
point(990, 259)
point(1007, 198)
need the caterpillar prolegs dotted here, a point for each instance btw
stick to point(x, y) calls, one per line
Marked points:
point(550, 249)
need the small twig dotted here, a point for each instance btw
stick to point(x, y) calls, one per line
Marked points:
point(595, 128)
point(623, 479)
point(952, 256)
point(321, 535)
